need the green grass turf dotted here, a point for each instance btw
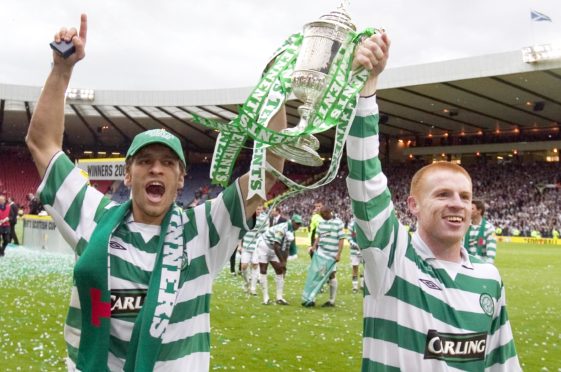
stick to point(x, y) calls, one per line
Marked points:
point(247, 335)
point(532, 277)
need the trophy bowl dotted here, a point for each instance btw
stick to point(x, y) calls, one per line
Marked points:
point(322, 40)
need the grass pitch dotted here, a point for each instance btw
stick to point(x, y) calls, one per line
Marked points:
point(247, 335)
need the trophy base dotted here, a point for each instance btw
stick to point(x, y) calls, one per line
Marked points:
point(302, 151)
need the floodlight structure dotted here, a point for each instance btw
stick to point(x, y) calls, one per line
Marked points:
point(540, 53)
point(86, 95)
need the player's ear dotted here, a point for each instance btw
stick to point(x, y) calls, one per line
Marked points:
point(413, 205)
point(127, 179)
point(181, 180)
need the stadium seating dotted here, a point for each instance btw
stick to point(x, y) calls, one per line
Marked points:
point(103, 186)
point(18, 175)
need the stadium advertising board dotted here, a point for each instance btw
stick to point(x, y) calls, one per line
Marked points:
point(103, 169)
point(528, 240)
point(40, 232)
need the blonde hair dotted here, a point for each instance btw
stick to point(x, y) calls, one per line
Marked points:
point(418, 177)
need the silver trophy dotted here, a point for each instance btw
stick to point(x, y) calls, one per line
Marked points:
point(322, 40)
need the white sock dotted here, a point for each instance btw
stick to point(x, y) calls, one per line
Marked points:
point(254, 276)
point(332, 290)
point(355, 282)
point(265, 287)
point(245, 276)
point(280, 286)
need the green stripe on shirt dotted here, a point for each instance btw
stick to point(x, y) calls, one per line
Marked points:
point(196, 306)
point(199, 342)
point(361, 170)
point(127, 271)
point(197, 267)
point(364, 126)
point(414, 295)
point(101, 208)
point(214, 236)
point(501, 354)
point(365, 211)
point(74, 318)
point(55, 178)
point(234, 207)
point(72, 216)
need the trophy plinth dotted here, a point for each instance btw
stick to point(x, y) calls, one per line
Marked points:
point(322, 40)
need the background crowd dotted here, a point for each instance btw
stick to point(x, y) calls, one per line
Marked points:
point(521, 197)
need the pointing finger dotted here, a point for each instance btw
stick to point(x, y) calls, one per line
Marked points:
point(83, 28)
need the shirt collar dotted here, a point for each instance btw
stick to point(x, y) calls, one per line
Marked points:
point(426, 253)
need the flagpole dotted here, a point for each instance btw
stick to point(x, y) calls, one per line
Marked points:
point(532, 30)
point(538, 17)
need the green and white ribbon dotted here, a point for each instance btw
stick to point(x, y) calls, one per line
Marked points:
point(346, 110)
point(336, 109)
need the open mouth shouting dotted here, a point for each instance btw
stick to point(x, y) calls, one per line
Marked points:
point(155, 191)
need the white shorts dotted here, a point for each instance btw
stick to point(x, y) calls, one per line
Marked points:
point(248, 257)
point(356, 259)
point(265, 253)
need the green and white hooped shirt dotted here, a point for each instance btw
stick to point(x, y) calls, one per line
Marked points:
point(483, 247)
point(212, 232)
point(418, 314)
point(351, 237)
point(249, 242)
point(329, 233)
point(280, 233)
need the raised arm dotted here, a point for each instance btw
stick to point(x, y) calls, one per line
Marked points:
point(44, 136)
point(376, 224)
point(366, 183)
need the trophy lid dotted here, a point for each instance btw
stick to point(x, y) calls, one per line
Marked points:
point(340, 16)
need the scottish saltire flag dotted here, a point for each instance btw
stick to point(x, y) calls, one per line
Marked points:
point(538, 17)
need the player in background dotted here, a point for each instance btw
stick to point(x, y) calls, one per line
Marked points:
point(314, 222)
point(356, 257)
point(271, 246)
point(480, 239)
point(330, 237)
point(249, 259)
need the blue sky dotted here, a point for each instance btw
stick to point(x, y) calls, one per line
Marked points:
point(172, 44)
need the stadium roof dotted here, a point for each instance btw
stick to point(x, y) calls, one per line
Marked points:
point(468, 96)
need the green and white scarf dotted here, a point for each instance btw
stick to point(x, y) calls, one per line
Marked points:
point(91, 274)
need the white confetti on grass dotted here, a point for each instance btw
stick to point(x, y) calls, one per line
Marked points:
point(290, 337)
point(20, 262)
point(37, 285)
